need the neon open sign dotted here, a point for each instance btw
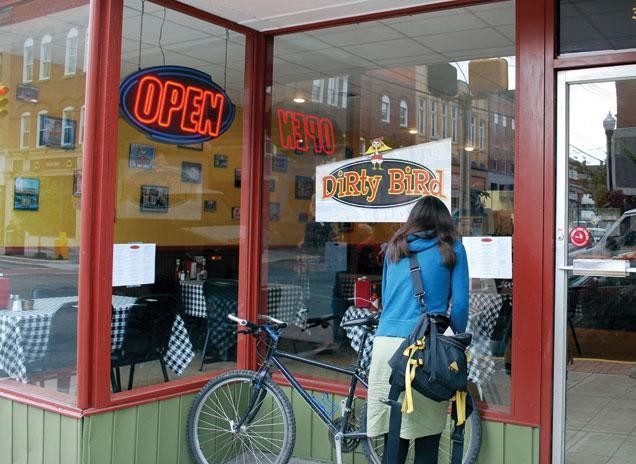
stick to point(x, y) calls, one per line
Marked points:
point(178, 105)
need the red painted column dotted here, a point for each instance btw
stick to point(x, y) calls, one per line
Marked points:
point(252, 198)
point(98, 203)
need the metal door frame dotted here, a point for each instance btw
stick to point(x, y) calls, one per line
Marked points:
point(564, 80)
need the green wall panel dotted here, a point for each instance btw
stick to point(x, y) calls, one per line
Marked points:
point(155, 433)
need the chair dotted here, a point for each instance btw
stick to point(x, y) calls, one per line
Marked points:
point(61, 350)
point(146, 336)
point(49, 291)
point(164, 284)
point(221, 298)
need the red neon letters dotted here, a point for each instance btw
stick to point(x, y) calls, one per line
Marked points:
point(171, 104)
point(298, 130)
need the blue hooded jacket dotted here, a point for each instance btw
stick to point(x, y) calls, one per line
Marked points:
point(400, 309)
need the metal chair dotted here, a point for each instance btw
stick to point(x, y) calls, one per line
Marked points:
point(146, 336)
point(221, 298)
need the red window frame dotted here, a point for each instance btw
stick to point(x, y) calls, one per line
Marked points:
point(532, 316)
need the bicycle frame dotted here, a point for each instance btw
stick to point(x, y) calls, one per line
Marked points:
point(272, 358)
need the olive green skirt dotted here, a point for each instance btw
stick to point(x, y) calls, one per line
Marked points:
point(428, 417)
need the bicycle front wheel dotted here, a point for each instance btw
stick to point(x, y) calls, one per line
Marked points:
point(373, 447)
point(224, 429)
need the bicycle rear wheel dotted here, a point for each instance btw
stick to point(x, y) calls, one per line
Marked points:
point(373, 448)
point(268, 431)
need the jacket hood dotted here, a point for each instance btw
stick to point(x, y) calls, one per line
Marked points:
point(421, 241)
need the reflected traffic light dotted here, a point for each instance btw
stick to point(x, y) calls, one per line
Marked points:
point(4, 100)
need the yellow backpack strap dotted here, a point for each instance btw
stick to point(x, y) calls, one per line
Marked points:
point(409, 374)
point(460, 404)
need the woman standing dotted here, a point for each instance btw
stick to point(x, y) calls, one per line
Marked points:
point(430, 233)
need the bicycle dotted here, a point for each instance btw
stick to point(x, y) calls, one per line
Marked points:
point(243, 416)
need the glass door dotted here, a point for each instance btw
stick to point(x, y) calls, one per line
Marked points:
point(595, 289)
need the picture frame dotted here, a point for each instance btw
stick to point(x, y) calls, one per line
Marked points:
point(274, 211)
point(236, 213)
point(192, 146)
point(303, 187)
point(220, 160)
point(279, 163)
point(77, 183)
point(141, 156)
point(303, 218)
point(209, 206)
point(26, 193)
point(57, 132)
point(271, 184)
point(154, 199)
point(191, 173)
point(237, 178)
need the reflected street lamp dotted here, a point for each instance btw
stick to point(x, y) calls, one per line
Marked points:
point(609, 124)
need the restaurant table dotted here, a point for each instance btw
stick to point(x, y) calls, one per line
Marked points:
point(24, 335)
point(283, 300)
point(484, 309)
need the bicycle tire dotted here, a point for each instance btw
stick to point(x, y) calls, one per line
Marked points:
point(372, 447)
point(264, 438)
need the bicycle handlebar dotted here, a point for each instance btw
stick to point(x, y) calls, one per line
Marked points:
point(255, 327)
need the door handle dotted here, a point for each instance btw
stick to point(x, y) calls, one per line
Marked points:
point(600, 267)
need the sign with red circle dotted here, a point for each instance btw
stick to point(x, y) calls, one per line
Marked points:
point(580, 236)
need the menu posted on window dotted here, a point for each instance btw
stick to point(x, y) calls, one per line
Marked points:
point(133, 264)
point(489, 257)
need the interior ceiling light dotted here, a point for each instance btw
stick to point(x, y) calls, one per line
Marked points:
point(299, 100)
point(413, 131)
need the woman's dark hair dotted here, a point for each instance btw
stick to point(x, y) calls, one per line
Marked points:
point(430, 216)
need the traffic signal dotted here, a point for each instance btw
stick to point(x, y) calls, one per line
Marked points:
point(4, 100)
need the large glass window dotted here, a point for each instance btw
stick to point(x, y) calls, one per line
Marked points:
point(70, 65)
point(317, 262)
point(181, 200)
point(40, 210)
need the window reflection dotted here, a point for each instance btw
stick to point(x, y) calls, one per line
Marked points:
point(337, 266)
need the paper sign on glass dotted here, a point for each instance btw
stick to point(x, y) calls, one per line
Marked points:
point(489, 257)
point(133, 264)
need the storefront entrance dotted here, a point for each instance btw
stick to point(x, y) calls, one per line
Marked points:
point(595, 288)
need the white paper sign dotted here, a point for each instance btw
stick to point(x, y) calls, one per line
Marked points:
point(383, 186)
point(133, 264)
point(489, 257)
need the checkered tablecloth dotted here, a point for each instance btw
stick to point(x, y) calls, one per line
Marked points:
point(356, 333)
point(283, 300)
point(484, 310)
point(24, 335)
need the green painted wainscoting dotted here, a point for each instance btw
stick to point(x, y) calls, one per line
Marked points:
point(154, 433)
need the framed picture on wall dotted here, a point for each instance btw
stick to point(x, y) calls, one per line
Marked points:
point(77, 182)
point(271, 184)
point(274, 211)
point(26, 193)
point(190, 172)
point(220, 160)
point(237, 178)
point(279, 163)
point(303, 218)
point(236, 213)
point(304, 188)
point(141, 156)
point(209, 206)
point(154, 199)
point(193, 146)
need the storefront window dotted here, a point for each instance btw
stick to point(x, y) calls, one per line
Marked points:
point(316, 255)
point(41, 171)
point(178, 197)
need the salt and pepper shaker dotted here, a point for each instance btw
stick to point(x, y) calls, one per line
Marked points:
point(16, 304)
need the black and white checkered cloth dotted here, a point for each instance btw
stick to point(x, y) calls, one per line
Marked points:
point(24, 335)
point(484, 310)
point(283, 300)
point(356, 333)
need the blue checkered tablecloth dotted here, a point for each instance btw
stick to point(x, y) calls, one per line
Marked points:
point(24, 335)
point(484, 310)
